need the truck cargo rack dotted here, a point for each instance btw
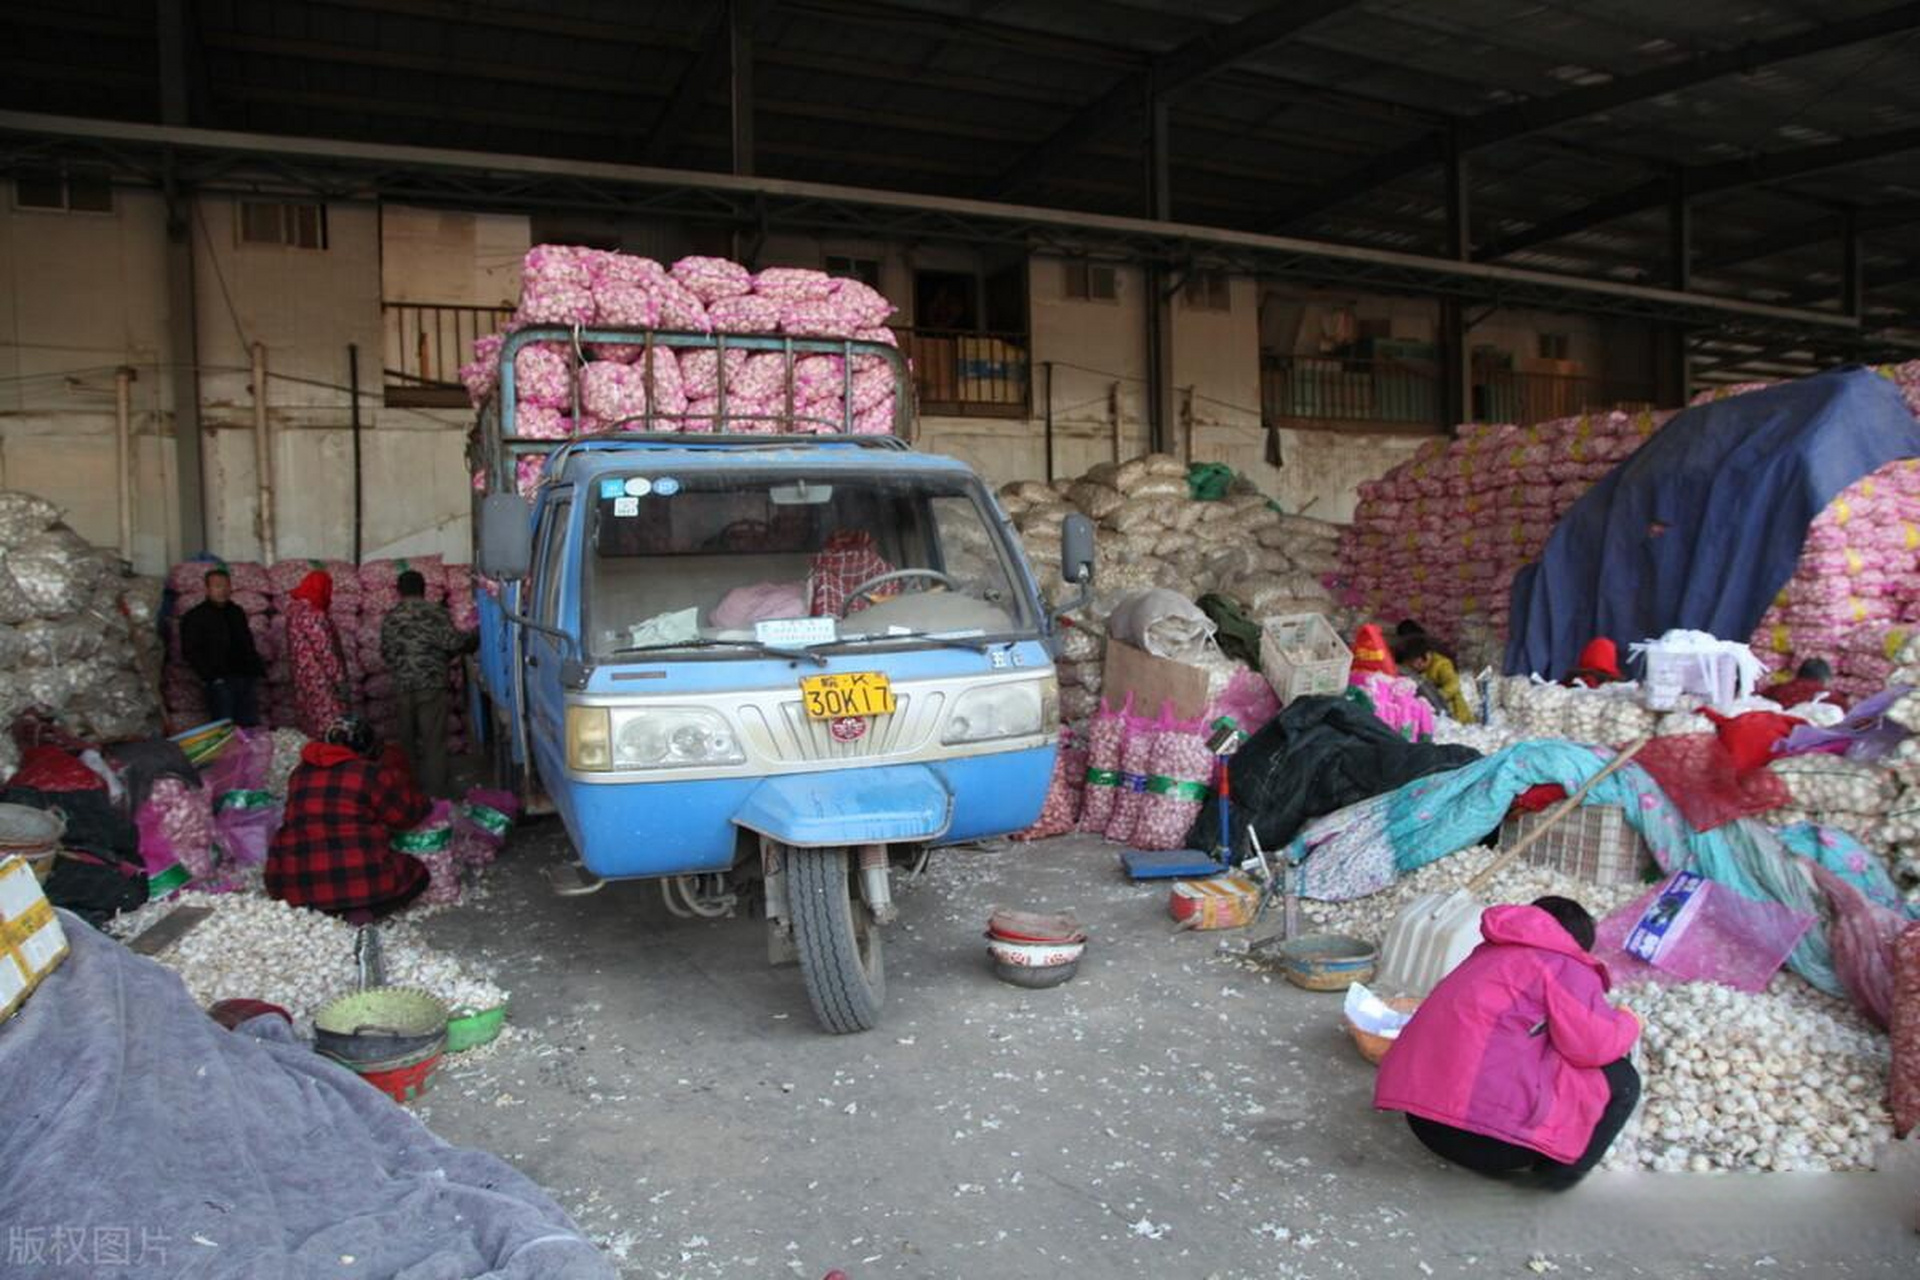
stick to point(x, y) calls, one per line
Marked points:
point(497, 448)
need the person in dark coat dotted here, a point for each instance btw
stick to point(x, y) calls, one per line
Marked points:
point(1808, 682)
point(417, 640)
point(344, 806)
point(218, 644)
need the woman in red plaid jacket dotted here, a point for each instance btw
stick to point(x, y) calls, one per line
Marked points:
point(343, 807)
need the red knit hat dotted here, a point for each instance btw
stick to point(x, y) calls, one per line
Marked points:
point(1600, 655)
point(1370, 653)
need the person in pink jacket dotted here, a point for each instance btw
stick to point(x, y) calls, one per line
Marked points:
point(1515, 1062)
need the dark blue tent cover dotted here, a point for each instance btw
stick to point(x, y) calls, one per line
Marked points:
point(1703, 525)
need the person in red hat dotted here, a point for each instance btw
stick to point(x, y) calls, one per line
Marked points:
point(1371, 655)
point(1599, 664)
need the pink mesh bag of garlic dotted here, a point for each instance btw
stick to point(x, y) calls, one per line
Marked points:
point(744, 314)
point(540, 375)
point(613, 392)
point(481, 375)
point(700, 371)
point(811, 318)
point(626, 306)
point(794, 284)
point(862, 305)
point(711, 279)
point(680, 310)
point(628, 269)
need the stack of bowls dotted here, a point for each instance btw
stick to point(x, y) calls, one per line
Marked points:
point(1033, 949)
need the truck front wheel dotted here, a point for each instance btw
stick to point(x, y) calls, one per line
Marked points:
point(837, 941)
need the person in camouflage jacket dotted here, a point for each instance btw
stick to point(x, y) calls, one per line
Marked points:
point(417, 639)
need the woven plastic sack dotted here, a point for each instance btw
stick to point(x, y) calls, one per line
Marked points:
point(1106, 736)
point(433, 834)
point(1730, 939)
point(23, 516)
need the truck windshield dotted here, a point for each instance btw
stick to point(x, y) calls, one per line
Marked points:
point(695, 562)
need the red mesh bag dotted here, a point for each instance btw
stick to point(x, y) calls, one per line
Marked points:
point(1905, 1090)
point(1700, 776)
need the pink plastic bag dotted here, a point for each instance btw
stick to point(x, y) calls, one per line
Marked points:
point(245, 831)
point(1726, 938)
point(241, 765)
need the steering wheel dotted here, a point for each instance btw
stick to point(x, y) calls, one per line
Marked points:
point(951, 583)
point(728, 538)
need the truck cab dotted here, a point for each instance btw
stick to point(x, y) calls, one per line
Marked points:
point(799, 660)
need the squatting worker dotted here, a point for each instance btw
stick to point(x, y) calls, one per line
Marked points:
point(1809, 681)
point(1598, 664)
point(218, 644)
point(417, 640)
point(344, 806)
point(1515, 1064)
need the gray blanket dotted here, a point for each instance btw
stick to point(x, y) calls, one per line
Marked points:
point(140, 1138)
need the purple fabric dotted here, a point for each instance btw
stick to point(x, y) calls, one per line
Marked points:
point(1866, 733)
point(1733, 940)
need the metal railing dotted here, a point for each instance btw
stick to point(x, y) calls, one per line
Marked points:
point(425, 343)
point(970, 373)
point(1330, 388)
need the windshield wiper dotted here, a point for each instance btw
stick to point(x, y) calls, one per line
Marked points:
point(979, 644)
point(703, 642)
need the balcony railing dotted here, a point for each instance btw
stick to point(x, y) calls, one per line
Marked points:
point(970, 373)
point(425, 344)
point(1325, 388)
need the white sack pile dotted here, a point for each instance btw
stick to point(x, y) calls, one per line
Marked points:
point(77, 631)
point(1153, 533)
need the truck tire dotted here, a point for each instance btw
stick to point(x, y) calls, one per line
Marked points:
point(837, 940)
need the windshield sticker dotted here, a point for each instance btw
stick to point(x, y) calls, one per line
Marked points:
point(666, 486)
point(612, 488)
point(626, 506)
point(639, 487)
point(796, 633)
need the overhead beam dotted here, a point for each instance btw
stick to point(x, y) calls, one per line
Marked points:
point(1818, 231)
point(1704, 180)
point(1166, 77)
point(228, 161)
point(1536, 115)
point(711, 65)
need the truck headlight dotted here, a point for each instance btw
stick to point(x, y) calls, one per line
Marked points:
point(604, 738)
point(673, 738)
point(1003, 711)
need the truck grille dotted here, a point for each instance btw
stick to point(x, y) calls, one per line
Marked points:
point(782, 733)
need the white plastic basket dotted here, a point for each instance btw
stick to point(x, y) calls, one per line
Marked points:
point(1302, 656)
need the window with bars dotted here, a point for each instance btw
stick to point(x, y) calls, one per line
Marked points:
point(63, 191)
point(865, 270)
point(1085, 281)
point(1208, 291)
point(291, 224)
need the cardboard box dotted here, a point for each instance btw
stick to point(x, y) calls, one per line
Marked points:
point(32, 943)
point(1155, 682)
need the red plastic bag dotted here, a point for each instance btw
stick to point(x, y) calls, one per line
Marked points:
point(51, 769)
point(1750, 738)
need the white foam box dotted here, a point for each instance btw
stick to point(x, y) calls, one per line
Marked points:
point(32, 943)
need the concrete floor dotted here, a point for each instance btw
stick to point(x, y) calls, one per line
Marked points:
point(1170, 1112)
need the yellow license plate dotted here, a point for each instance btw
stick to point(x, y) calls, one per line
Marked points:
point(856, 693)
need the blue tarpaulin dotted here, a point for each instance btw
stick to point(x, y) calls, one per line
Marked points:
point(1703, 525)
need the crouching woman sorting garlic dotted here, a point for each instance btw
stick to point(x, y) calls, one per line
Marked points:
point(1515, 1064)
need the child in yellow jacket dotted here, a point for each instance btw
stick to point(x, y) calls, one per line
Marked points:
point(1417, 654)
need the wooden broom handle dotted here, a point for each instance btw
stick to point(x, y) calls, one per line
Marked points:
point(1567, 806)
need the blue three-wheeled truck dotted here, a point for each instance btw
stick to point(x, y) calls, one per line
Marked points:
point(776, 652)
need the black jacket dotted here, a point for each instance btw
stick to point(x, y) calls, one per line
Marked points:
point(216, 642)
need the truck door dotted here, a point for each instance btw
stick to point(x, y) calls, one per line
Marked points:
point(549, 603)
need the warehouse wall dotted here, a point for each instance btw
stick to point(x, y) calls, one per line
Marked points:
point(82, 294)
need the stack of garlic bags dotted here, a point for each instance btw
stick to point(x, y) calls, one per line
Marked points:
point(565, 285)
point(1153, 533)
point(76, 631)
point(1901, 828)
point(1441, 536)
point(1855, 595)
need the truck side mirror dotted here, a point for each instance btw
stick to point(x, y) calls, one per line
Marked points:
point(1076, 550)
point(506, 536)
